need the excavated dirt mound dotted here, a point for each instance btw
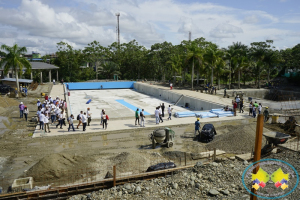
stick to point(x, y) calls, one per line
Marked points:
point(238, 139)
point(57, 166)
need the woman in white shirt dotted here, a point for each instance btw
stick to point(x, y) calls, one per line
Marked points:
point(46, 124)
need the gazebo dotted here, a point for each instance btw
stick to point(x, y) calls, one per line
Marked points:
point(37, 66)
point(43, 66)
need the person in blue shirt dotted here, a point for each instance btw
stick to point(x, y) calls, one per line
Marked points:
point(197, 127)
point(25, 90)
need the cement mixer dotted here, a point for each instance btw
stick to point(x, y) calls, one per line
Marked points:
point(163, 136)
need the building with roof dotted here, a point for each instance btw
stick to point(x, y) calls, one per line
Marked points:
point(34, 66)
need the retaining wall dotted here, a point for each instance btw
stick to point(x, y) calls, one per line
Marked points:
point(169, 95)
point(97, 85)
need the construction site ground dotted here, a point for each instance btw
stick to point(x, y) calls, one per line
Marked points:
point(122, 144)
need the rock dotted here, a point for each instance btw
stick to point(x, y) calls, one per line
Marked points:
point(127, 186)
point(175, 186)
point(198, 164)
point(193, 178)
point(169, 194)
point(232, 158)
point(192, 183)
point(226, 192)
point(108, 175)
point(214, 164)
point(197, 185)
point(245, 162)
point(138, 189)
point(231, 165)
point(213, 192)
point(199, 175)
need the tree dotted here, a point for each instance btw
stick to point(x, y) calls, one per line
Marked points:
point(194, 54)
point(14, 60)
point(212, 57)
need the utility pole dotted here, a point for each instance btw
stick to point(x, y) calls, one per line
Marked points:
point(118, 27)
point(190, 35)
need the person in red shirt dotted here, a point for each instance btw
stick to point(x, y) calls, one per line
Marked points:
point(46, 97)
point(234, 107)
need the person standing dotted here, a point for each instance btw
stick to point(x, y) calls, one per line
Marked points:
point(84, 120)
point(234, 107)
point(171, 86)
point(88, 113)
point(26, 112)
point(79, 118)
point(259, 108)
point(53, 115)
point(242, 105)
point(142, 118)
point(238, 100)
point(38, 103)
point(197, 127)
point(250, 108)
point(21, 107)
point(70, 120)
point(105, 118)
point(215, 90)
point(160, 115)
point(163, 109)
point(46, 124)
point(53, 81)
point(225, 92)
point(266, 114)
point(170, 112)
point(254, 111)
point(157, 115)
point(26, 91)
point(60, 120)
point(63, 117)
point(137, 118)
point(102, 116)
point(41, 119)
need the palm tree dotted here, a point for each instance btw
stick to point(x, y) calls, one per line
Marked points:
point(194, 53)
point(220, 69)
point(212, 57)
point(271, 59)
point(15, 61)
point(176, 65)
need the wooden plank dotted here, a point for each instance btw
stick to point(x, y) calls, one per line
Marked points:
point(207, 154)
point(243, 157)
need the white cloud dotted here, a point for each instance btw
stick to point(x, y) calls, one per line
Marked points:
point(225, 31)
point(39, 26)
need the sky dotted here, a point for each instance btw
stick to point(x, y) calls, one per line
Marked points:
point(40, 24)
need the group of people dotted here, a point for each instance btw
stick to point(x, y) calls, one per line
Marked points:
point(255, 108)
point(238, 103)
point(85, 119)
point(51, 110)
point(24, 111)
point(159, 114)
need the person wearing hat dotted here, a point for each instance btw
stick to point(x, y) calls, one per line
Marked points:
point(197, 127)
point(21, 107)
point(26, 112)
point(16, 93)
point(266, 114)
point(89, 117)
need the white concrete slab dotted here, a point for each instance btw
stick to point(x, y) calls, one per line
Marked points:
point(106, 99)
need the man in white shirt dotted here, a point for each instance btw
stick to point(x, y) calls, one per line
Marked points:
point(84, 120)
point(170, 112)
point(142, 116)
point(41, 119)
point(88, 113)
point(46, 124)
point(238, 100)
point(157, 115)
point(80, 119)
point(60, 120)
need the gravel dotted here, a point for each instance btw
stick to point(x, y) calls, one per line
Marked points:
point(211, 181)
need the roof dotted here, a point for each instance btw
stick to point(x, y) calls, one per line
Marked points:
point(42, 65)
point(38, 65)
point(14, 80)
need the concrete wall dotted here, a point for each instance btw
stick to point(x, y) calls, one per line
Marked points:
point(195, 104)
point(263, 93)
point(97, 85)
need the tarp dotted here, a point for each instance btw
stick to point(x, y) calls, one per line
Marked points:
point(185, 114)
point(205, 114)
point(222, 113)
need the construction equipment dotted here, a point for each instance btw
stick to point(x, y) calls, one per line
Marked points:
point(163, 136)
point(272, 140)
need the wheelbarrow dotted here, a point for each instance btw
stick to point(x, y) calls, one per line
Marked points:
point(272, 140)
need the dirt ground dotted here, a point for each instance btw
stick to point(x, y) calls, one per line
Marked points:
point(55, 158)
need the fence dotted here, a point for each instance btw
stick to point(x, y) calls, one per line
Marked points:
point(92, 175)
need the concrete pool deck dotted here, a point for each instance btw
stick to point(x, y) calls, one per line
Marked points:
point(128, 124)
